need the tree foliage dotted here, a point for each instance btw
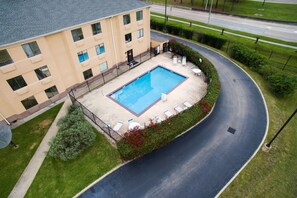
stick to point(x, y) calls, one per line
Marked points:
point(75, 134)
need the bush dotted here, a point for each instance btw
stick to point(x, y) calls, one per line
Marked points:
point(266, 71)
point(202, 38)
point(74, 135)
point(248, 56)
point(282, 85)
point(212, 41)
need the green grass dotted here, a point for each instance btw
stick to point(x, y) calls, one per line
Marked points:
point(57, 178)
point(28, 136)
point(275, 11)
point(272, 174)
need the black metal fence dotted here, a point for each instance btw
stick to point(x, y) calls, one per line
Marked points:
point(99, 81)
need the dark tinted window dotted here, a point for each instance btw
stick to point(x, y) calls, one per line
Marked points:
point(96, 28)
point(128, 38)
point(42, 72)
point(77, 34)
point(52, 91)
point(4, 58)
point(126, 19)
point(31, 49)
point(17, 82)
point(29, 102)
point(88, 74)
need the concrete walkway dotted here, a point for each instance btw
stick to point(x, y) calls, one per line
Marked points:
point(35, 163)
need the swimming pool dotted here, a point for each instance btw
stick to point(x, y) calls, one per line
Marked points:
point(141, 93)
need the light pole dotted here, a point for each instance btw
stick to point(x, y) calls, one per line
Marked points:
point(267, 146)
point(165, 12)
point(210, 11)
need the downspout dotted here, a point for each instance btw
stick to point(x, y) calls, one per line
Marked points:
point(4, 119)
point(114, 46)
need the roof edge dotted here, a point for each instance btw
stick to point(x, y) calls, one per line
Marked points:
point(70, 27)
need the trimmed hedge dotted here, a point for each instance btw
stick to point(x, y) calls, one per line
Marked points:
point(74, 135)
point(140, 142)
point(247, 56)
point(212, 41)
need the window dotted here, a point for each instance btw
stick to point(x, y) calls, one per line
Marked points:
point(42, 72)
point(4, 58)
point(96, 28)
point(88, 74)
point(126, 19)
point(140, 33)
point(77, 34)
point(83, 56)
point(128, 38)
point(139, 15)
point(100, 49)
point(29, 102)
point(52, 91)
point(103, 66)
point(17, 82)
point(31, 49)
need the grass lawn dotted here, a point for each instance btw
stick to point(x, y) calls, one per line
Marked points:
point(272, 174)
point(28, 136)
point(57, 178)
point(275, 11)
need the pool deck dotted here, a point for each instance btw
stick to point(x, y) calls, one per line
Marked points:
point(191, 90)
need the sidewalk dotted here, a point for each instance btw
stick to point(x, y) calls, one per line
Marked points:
point(35, 163)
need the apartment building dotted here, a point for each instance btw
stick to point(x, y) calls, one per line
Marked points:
point(47, 47)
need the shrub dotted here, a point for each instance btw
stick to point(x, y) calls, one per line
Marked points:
point(188, 34)
point(75, 134)
point(212, 41)
point(247, 56)
point(266, 71)
point(282, 85)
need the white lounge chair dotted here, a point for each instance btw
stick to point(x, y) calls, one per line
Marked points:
point(168, 114)
point(184, 61)
point(178, 109)
point(175, 60)
point(157, 119)
point(118, 126)
point(187, 104)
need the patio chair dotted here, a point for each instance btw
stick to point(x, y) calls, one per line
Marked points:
point(118, 126)
point(187, 104)
point(174, 60)
point(168, 114)
point(184, 61)
point(157, 119)
point(178, 109)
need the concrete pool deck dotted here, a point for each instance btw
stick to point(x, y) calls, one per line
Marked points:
point(191, 90)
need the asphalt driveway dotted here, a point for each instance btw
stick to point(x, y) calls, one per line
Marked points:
point(202, 161)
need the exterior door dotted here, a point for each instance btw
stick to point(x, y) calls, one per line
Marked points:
point(130, 55)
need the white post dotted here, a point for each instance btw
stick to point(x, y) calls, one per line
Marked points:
point(210, 11)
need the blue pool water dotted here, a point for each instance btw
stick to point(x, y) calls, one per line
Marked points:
point(144, 91)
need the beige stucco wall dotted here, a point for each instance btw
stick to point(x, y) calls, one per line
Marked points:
point(59, 53)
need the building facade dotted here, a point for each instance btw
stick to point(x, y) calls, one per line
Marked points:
point(36, 71)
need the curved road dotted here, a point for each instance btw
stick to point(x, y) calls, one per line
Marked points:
point(202, 161)
point(281, 31)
